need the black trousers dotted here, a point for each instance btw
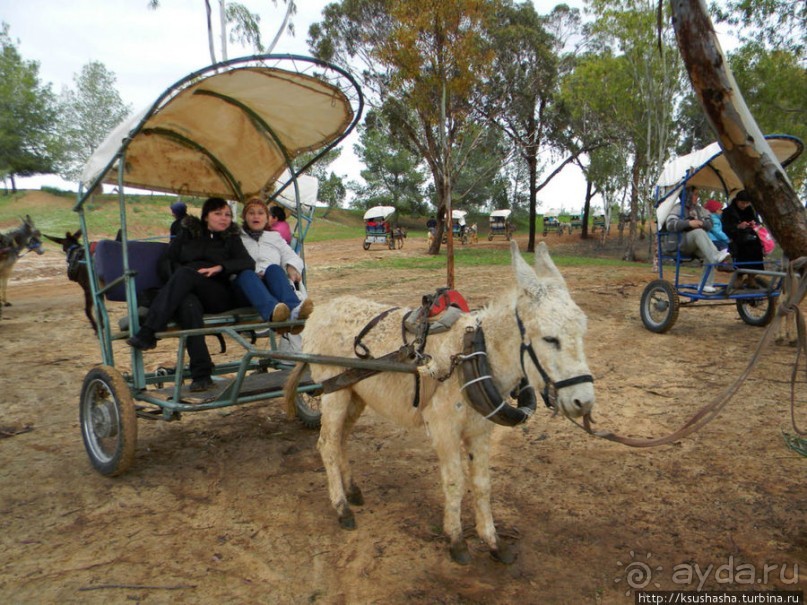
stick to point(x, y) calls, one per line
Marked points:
point(186, 298)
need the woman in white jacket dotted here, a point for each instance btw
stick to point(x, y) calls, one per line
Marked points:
point(268, 289)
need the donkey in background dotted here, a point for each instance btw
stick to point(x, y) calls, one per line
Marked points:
point(77, 269)
point(534, 338)
point(11, 244)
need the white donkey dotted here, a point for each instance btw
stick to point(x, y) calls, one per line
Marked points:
point(534, 334)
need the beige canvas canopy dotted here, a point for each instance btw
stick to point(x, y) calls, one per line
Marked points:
point(229, 130)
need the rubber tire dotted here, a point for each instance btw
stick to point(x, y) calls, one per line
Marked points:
point(366, 245)
point(308, 411)
point(757, 320)
point(490, 237)
point(106, 393)
point(670, 296)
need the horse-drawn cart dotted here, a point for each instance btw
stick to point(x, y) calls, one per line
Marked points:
point(500, 224)
point(378, 228)
point(708, 170)
point(553, 223)
point(231, 130)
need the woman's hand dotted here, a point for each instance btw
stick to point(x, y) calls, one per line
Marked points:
point(211, 271)
point(294, 274)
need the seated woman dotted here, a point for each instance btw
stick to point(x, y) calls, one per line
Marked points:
point(268, 288)
point(197, 268)
point(739, 219)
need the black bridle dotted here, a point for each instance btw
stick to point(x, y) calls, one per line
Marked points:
point(551, 388)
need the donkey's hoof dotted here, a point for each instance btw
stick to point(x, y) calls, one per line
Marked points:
point(347, 520)
point(460, 553)
point(354, 496)
point(504, 554)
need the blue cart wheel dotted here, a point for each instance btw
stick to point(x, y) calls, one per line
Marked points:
point(757, 311)
point(659, 306)
point(108, 421)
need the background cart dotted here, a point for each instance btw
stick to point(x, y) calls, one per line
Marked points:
point(500, 224)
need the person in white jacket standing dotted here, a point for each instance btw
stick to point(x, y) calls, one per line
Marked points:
point(269, 288)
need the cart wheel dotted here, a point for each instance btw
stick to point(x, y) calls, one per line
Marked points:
point(366, 245)
point(757, 311)
point(308, 410)
point(108, 421)
point(659, 306)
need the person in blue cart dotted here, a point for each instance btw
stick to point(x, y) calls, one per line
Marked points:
point(179, 210)
point(695, 222)
point(197, 268)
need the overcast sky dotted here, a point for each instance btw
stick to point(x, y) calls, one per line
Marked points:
point(148, 50)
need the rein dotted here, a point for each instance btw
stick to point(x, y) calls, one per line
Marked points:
point(796, 290)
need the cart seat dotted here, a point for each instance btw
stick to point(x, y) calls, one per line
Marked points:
point(241, 315)
point(144, 257)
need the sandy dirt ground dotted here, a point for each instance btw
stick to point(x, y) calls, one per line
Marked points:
point(231, 506)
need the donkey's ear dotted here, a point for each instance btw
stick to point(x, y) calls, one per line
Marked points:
point(544, 267)
point(77, 234)
point(524, 274)
point(58, 240)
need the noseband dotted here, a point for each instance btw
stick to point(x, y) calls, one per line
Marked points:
point(551, 388)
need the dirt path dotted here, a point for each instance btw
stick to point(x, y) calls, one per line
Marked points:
point(231, 506)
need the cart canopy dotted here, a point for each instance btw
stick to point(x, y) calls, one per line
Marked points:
point(708, 168)
point(459, 216)
point(230, 129)
point(504, 214)
point(380, 213)
point(552, 212)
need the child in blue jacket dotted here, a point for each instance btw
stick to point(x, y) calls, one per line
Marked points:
point(716, 234)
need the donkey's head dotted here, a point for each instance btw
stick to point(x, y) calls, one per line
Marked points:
point(553, 327)
point(70, 240)
point(28, 236)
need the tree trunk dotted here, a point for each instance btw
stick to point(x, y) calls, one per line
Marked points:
point(746, 150)
point(586, 210)
point(532, 168)
point(636, 171)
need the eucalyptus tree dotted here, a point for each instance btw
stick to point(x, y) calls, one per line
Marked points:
point(737, 131)
point(651, 74)
point(392, 172)
point(523, 88)
point(244, 26)
point(424, 65)
point(87, 114)
point(27, 115)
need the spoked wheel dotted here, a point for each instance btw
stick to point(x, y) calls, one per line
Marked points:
point(757, 311)
point(659, 306)
point(108, 421)
point(366, 245)
point(308, 410)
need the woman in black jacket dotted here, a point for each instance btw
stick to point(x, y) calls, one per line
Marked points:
point(739, 219)
point(197, 268)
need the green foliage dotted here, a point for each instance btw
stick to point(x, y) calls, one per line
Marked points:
point(87, 114)
point(391, 172)
point(776, 24)
point(774, 86)
point(27, 115)
point(423, 64)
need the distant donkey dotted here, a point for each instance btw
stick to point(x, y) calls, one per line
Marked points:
point(11, 244)
point(77, 269)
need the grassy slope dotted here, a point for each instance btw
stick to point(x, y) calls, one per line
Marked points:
point(149, 215)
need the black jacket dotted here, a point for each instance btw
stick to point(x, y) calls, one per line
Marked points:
point(196, 247)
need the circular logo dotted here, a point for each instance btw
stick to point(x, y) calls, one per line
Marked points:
point(637, 574)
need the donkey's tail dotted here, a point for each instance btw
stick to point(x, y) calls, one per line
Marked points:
point(290, 390)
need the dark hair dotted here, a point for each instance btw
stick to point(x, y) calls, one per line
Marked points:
point(277, 212)
point(211, 204)
point(743, 196)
